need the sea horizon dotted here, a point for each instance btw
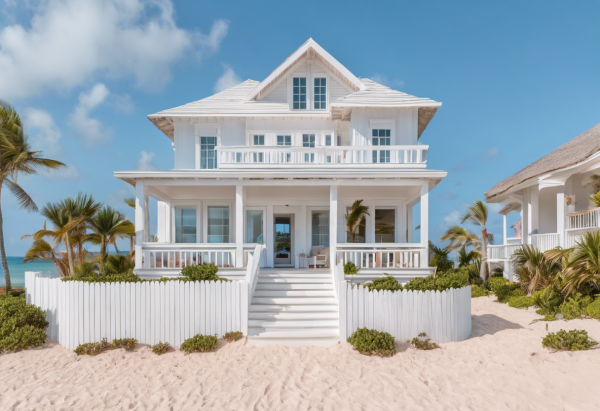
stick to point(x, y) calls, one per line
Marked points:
point(17, 269)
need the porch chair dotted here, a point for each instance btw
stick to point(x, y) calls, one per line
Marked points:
point(319, 256)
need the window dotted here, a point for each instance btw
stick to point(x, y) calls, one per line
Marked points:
point(218, 224)
point(284, 141)
point(320, 94)
point(328, 144)
point(308, 140)
point(254, 227)
point(381, 137)
point(299, 93)
point(258, 141)
point(359, 232)
point(385, 225)
point(320, 228)
point(208, 154)
point(185, 225)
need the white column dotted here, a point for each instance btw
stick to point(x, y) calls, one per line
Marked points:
point(409, 223)
point(504, 228)
point(425, 225)
point(239, 225)
point(525, 217)
point(146, 219)
point(270, 236)
point(560, 214)
point(534, 210)
point(139, 223)
point(333, 214)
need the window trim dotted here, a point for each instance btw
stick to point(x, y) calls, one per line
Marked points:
point(255, 208)
point(187, 204)
point(396, 216)
point(206, 130)
point(320, 77)
point(218, 203)
point(307, 93)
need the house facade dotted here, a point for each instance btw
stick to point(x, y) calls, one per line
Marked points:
point(552, 197)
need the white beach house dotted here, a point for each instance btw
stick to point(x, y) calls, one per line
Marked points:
point(279, 163)
point(552, 195)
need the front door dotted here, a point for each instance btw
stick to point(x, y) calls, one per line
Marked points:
point(284, 231)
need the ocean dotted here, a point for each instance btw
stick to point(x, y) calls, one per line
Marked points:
point(17, 269)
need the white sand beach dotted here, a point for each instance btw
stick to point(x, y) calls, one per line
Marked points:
point(501, 367)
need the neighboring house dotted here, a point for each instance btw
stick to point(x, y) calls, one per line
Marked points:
point(280, 162)
point(552, 195)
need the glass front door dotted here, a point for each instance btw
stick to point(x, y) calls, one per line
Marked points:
point(283, 240)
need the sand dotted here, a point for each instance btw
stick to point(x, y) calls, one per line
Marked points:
point(501, 367)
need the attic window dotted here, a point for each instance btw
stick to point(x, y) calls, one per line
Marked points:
point(299, 93)
point(320, 94)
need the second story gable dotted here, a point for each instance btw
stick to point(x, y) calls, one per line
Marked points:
point(309, 111)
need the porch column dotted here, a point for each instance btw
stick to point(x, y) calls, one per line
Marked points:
point(533, 205)
point(560, 214)
point(239, 225)
point(504, 229)
point(139, 222)
point(425, 225)
point(409, 223)
point(146, 219)
point(525, 218)
point(333, 217)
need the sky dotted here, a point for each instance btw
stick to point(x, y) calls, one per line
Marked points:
point(517, 80)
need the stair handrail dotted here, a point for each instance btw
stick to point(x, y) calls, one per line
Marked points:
point(252, 270)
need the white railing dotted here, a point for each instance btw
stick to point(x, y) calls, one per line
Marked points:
point(171, 311)
point(514, 240)
point(444, 316)
point(545, 242)
point(291, 155)
point(583, 219)
point(502, 251)
point(176, 256)
point(381, 255)
point(253, 270)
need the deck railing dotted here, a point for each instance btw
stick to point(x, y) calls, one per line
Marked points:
point(502, 251)
point(382, 255)
point(545, 242)
point(583, 219)
point(260, 156)
point(163, 255)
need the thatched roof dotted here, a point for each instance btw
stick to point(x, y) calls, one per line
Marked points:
point(569, 154)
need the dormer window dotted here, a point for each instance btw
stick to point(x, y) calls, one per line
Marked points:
point(299, 93)
point(320, 94)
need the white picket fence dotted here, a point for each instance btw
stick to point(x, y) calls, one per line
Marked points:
point(150, 312)
point(445, 316)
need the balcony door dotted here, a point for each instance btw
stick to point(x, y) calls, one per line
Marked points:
point(284, 234)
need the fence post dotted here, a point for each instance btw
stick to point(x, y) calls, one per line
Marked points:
point(244, 306)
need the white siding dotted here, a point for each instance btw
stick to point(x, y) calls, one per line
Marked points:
point(406, 124)
point(547, 210)
point(185, 145)
point(336, 90)
point(233, 133)
point(278, 94)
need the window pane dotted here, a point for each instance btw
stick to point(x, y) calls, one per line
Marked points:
point(254, 226)
point(385, 226)
point(185, 225)
point(359, 233)
point(208, 154)
point(299, 93)
point(320, 228)
point(218, 224)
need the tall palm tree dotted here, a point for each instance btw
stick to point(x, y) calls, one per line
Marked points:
point(460, 237)
point(79, 210)
point(356, 215)
point(16, 157)
point(477, 214)
point(107, 225)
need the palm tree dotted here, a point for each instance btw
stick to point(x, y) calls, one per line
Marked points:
point(16, 157)
point(583, 267)
point(595, 198)
point(478, 215)
point(533, 269)
point(82, 208)
point(465, 259)
point(108, 225)
point(460, 237)
point(355, 217)
point(130, 201)
point(42, 250)
point(438, 257)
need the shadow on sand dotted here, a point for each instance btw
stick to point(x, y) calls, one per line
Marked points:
point(490, 324)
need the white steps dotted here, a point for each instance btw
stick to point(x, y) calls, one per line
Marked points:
point(294, 307)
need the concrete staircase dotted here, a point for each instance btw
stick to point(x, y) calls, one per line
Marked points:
point(294, 307)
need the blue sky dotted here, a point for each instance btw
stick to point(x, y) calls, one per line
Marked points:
point(517, 80)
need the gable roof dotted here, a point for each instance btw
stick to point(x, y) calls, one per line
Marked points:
point(575, 151)
point(309, 49)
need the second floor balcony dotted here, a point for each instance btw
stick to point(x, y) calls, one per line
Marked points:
point(409, 156)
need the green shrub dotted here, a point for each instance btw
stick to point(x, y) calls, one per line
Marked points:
point(507, 291)
point(479, 291)
point(548, 300)
point(94, 348)
point(350, 268)
point(199, 343)
point(593, 309)
point(19, 292)
point(127, 343)
point(160, 348)
point(549, 317)
point(520, 302)
point(574, 340)
point(497, 273)
point(575, 307)
point(202, 272)
point(450, 279)
point(232, 336)
point(22, 326)
point(372, 342)
point(425, 344)
point(109, 278)
point(388, 283)
point(493, 283)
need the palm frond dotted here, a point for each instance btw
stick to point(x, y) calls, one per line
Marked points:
point(25, 202)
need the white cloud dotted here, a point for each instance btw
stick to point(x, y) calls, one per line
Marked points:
point(47, 136)
point(491, 153)
point(453, 218)
point(67, 42)
point(494, 207)
point(69, 172)
point(383, 79)
point(122, 103)
point(227, 80)
point(145, 161)
point(91, 129)
point(118, 199)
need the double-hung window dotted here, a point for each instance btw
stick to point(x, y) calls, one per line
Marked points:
point(218, 224)
point(185, 224)
point(208, 154)
point(320, 228)
point(308, 140)
point(299, 93)
point(259, 141)
point(328, 143)
point(381, 137)
point(284, 141)
point(320, 94)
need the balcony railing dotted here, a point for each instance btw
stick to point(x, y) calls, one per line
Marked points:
point(583, 219)
point(278, 156)
point(381, 255)
point(545, 242)
point(176, 256)
point(502, 251)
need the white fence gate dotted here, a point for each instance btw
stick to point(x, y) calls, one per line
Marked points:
point(445, 316)
point(150, 312)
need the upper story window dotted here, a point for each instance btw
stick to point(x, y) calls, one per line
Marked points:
point(299, 93)
point(208, 154)
point(308, 140)
point(381, 137)
point(320, 94)
point(259, 141)
point(284, 140)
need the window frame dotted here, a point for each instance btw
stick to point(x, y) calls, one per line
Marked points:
point(264, 222)
point(207, 130)
point(306, 94)
point(189, 204)
point(232, 222)
point(396, 216)
point(314, 95)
